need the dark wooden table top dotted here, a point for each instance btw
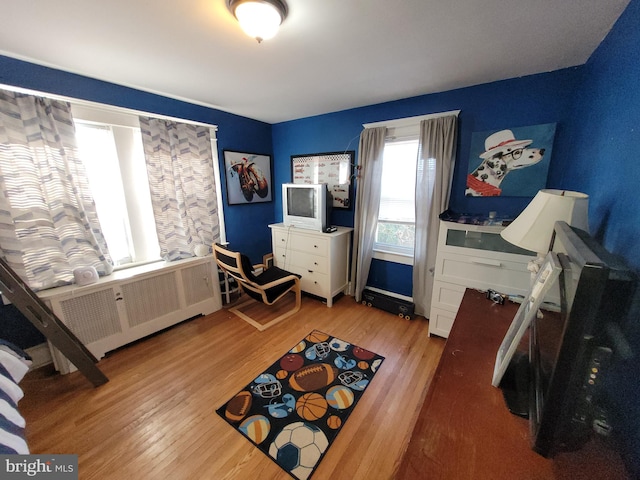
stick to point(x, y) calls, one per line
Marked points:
point(465, 431)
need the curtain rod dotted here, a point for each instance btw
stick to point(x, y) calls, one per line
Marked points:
point(399, 122)
point(104, 106)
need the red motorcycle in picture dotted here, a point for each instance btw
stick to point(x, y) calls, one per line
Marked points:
point(251, 178)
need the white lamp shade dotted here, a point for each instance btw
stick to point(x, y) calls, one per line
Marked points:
point(259, 20)
point(533, 228)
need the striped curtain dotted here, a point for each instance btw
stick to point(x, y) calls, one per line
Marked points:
point(48, 220)
point(182, 184)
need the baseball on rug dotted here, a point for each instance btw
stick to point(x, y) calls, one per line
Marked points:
point(295, 409)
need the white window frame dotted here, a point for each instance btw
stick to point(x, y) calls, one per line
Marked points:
point(407, 128)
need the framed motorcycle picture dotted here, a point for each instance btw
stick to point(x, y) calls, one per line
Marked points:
point(248, 178)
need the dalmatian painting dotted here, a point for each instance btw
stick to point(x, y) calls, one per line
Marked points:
point(508, 151)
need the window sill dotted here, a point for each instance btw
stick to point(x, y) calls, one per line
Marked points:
point(394, 257)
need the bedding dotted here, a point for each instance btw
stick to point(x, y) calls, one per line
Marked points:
point(14, 364)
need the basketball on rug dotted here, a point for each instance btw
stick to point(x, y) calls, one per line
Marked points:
point(295, 409)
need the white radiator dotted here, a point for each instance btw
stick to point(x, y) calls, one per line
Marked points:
point(134, 303)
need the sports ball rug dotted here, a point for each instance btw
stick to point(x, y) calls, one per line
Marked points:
point(295, 409)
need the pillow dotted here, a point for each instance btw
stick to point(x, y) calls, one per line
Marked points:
point(15, 366)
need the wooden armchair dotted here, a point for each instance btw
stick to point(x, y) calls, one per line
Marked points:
point(268, 286)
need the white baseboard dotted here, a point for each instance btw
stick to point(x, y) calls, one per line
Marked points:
point(40, 354)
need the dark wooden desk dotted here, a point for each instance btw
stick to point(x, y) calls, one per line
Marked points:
point(464, 430)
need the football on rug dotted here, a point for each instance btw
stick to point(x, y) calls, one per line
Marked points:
point(296, 408)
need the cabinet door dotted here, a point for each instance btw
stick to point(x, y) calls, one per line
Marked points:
point(150, 298)
point(94, 318)
point(91, 317)
point(197, 283)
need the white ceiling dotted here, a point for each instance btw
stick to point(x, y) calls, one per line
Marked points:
point(329, 55)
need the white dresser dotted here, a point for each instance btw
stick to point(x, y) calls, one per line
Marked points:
point(473, 256)
point(322, 259)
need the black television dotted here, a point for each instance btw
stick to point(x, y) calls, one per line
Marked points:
point(572, 345)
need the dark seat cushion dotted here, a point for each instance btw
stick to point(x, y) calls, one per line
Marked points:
point(247, 268)
point(272, 274)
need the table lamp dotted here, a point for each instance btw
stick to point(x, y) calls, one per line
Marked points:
point(533, 228)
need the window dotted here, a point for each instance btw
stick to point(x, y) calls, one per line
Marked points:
point(395, 233)
point(110, 146)
point(396, 217)
point(115, 164)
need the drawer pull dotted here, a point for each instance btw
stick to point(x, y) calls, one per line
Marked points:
point(484, 261)
point(310, 271)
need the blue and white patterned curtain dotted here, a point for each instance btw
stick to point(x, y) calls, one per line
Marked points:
point(182, 184)
point(48, 220)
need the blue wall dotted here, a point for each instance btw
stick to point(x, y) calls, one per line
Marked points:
point(604, 139)
point(603, 162)
point(531, 100)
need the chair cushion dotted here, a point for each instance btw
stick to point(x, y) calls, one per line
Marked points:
point(247, 268)
point(272, 274)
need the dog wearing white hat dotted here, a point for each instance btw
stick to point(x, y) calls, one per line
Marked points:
point(503, 154)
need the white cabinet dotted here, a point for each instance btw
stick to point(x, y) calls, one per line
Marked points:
point(473, 256)
point(133, 303)
point(322, 259)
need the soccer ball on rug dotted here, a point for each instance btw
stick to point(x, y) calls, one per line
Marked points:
point(298, 447)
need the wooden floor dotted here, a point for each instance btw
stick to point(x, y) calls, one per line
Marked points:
point(155, 418)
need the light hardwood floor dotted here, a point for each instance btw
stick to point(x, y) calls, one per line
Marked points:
point(155, 418)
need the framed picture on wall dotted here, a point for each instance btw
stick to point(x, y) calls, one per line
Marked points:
point(511, 162)
point(333, 168)
point(248, 178)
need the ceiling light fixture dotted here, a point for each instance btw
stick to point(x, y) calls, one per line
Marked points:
point(260, 19)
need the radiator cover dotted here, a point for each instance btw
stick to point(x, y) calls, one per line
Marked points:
point(131, 304)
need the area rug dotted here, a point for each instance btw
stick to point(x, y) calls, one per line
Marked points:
point(295, 409)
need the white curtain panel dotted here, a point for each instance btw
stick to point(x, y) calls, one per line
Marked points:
point(48, 220)
point(182, 184)
point(370, 155)
point(437, 144)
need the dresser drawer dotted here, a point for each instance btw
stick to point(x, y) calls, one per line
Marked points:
point(440, 322)
point(479, 272)
point(447, 296)
point(300, 241)
point(314, 283)
point(313, 244)
point(305, 261)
